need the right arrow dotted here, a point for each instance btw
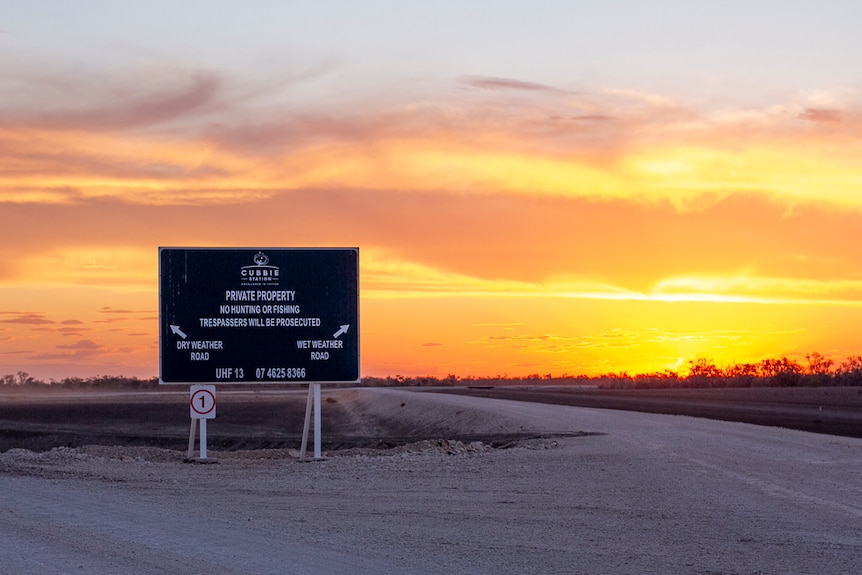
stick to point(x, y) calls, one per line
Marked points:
point(341, 331)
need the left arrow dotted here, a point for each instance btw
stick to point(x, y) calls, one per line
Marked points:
point(176, 330)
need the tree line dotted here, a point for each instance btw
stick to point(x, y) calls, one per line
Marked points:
point(23, 380)
point(817, 370)
point(702, 372)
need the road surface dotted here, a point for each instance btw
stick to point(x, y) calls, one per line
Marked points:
point(639, 494)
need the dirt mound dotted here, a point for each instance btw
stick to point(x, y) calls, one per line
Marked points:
point(352, 419)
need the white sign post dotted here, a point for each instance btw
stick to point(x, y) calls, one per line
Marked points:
point(202, 406)
point(313, 396)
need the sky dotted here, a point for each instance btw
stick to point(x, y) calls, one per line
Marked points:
point(535, 187)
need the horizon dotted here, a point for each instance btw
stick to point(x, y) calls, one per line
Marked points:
point(549, 188)
point(768, 368)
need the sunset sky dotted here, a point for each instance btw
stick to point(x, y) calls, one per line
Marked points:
point(535, 187)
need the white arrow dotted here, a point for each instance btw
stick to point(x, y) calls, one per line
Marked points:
point(176, 329)
point(341, 331)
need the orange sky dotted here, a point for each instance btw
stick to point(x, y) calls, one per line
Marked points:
point(505, 226)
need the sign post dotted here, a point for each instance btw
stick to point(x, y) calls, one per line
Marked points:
point(269, 315)
point(313, 398)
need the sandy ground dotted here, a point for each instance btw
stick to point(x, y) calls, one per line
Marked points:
point(636, 493)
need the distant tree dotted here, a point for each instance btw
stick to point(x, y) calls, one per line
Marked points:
point(73, 382)
point(703, 368)
point(782, 372)
point(743, 370)
point(818, 365)
point(851, 364)
point(850, 371)
point(20, 379)
point(666, 374)
point(23, 378)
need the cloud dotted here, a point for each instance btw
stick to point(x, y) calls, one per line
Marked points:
point(88, 264)
point(445, 243)
point(82, 349)
point(613, 339)
point(121, 107)
point(819, 115)
point(543, 337)
point(750, 287)
point(16, 352)
point(108, 309)
point(585, 118)
point(83, 345)
point(28, 318)
point(202, 146)
point(492, 83)
point(69, 332)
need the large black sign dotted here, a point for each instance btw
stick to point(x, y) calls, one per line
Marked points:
point(237, 315)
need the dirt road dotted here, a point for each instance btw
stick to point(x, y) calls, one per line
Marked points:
point(642, 493)
point(832, 410)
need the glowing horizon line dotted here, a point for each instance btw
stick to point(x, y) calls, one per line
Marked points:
point(383, 294)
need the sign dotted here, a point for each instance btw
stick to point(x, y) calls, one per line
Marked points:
point(202, 402)
point(269, 315)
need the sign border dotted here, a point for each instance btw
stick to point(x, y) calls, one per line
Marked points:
point(260, 382)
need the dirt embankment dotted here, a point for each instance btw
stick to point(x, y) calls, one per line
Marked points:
point(246, 420)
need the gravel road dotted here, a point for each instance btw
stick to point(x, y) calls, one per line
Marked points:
point(637, 493)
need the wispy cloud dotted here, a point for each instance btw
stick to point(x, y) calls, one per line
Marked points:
point(492, 83)
point(762, 289)
point(27, 318)
point(123, 107)
point(108, 309)
point(84, 349)
point(82, 345)
point(16, 352)
point(819, 115)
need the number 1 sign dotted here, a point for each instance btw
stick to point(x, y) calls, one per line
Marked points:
point(202, 402)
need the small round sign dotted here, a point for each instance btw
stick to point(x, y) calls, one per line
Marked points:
point(202, 402)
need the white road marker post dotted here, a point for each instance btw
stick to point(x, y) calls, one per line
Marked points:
point(202, 406)
point(203, 439)
point(192, 430)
